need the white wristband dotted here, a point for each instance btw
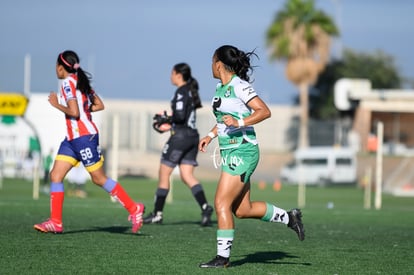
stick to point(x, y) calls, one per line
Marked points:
point(241, 122)
point(211, 134)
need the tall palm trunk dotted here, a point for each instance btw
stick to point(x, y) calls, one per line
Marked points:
point(304, 115)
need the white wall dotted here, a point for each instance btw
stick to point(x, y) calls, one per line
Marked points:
point(140, 145)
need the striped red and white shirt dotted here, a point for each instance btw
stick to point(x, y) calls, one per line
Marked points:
point(83, 125)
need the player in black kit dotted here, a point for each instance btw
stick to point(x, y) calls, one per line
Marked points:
point(182, 147)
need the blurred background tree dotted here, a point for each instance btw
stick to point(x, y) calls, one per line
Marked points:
point(300, 35)
point(378, 67)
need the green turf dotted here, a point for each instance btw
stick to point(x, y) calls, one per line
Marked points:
point(97, 240)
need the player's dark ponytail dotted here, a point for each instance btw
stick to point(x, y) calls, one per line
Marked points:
point(235, 61)
point(185, 70)
point(84, 84)
point(70, 61)
point(193, 83)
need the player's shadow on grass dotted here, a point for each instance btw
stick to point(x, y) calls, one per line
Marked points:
point(267, 257)
point(193, 222)
point(127, 229)
point(109, 229)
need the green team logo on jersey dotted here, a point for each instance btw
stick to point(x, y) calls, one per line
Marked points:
point(231, 99)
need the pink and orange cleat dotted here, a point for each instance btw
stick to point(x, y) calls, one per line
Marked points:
point(49, 226)
point(136, 218)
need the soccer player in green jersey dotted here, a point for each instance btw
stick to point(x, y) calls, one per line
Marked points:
point(237, 107)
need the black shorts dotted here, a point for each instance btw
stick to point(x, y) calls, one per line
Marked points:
point(181, 148)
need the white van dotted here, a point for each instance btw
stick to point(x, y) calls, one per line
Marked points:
point(321, 166)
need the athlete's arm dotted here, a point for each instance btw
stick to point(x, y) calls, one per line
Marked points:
point(260, 113)
point(97, 103)
point(71, 109)
point(179, 107)
point(205, 141)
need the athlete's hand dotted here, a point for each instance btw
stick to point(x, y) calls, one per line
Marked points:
point(204, 142)
point(53, 99)
point(228, 120)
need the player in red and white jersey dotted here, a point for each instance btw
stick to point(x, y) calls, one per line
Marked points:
point(77, 101)
point(83, 125)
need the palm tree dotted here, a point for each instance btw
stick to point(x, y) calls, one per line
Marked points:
point(300, 35)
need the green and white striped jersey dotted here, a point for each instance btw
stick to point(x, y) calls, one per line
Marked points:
point(231, 99)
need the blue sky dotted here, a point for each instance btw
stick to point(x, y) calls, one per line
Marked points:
point(130, 46)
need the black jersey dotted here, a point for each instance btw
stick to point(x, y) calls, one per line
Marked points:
point(183, 109)
point(182, 146)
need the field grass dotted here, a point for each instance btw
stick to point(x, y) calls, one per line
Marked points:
point(345, 239)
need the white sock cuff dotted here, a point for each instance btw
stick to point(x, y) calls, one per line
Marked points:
point(279, 215)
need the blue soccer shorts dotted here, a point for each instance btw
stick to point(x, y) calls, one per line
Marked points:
point(84, 149)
